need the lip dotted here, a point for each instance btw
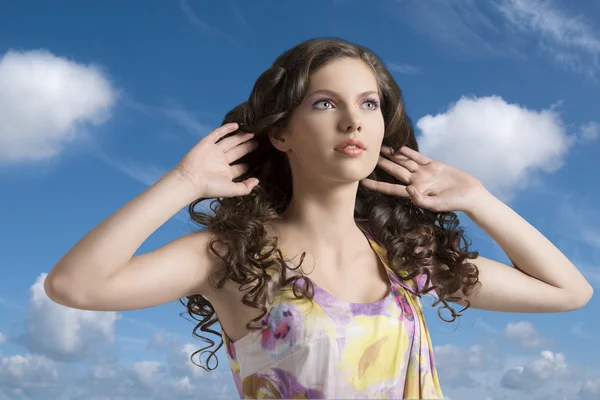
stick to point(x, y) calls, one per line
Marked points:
point(351, 152)
point(351, 142)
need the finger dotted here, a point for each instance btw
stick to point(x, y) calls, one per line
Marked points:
point(245, 187)
point(385, 187)
point(395, 170)
point(414, 155)
point(241, 150)
point(222, 131)
point(404, 161)
point(239, 169)
point(408, 164)
point(232, 141)
point(242, 188)
point(389, 152)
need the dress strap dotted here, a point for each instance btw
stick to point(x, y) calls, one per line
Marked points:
point(414, 285)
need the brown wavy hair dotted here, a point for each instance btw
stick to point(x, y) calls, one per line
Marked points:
point(416, 237)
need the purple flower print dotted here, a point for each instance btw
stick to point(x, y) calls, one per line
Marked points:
point(283, 329)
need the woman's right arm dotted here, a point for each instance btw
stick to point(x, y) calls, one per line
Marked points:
point(101, 272)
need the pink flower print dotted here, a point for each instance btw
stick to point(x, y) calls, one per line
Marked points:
point(283, 329)
point(231, 349)
point(402, 302)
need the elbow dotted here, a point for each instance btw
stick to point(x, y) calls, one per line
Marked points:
point(582, 297)
point(55, 290)
point(63, 293)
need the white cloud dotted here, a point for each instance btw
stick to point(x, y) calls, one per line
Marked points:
point(103, 372)
point(46, 102)
point(460, 367)
point(180, 362)
point(526, 335)
point(167, 375)
point(590, 390)
point(149, 373)
point(590, 131)
point(178, 355)
point(64, 333)
point(549, 368)
point(501, 144)
point(29, 376)
point(511, 377)
point(568, 38)
point(2, 337)
point(156, 379)
point(180, 366)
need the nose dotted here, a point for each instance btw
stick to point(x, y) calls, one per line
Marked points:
point(351, 123)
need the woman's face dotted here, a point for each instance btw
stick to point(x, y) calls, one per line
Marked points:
point(342, 102)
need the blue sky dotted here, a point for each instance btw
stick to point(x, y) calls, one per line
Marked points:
point(98, 99)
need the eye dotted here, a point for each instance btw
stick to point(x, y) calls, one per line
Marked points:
point(374, 104)
point(324, 101)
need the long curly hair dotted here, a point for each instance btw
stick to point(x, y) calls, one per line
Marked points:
point(415, 239)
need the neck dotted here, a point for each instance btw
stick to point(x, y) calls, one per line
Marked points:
point(323, 214)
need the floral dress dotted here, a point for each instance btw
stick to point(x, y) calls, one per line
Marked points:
point(329, 348)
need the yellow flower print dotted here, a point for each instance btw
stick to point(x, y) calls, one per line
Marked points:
point(374, 352)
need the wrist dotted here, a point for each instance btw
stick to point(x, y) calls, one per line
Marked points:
point(481, 200)
point(188, 186)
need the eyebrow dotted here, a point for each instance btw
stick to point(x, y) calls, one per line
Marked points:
point(334, 94)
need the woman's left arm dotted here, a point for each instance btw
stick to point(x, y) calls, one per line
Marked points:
point(543, 279)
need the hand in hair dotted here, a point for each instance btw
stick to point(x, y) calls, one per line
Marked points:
point(429, 184)
point(208, 165)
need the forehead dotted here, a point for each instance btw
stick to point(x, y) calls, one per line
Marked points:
point(343, 74)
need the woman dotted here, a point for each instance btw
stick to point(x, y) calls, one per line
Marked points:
point(331, 171)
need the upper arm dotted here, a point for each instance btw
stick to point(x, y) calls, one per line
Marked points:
point(178, 269)
point(507, 289)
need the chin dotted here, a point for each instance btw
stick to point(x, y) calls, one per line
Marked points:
point(349, 175)
point(342, 172)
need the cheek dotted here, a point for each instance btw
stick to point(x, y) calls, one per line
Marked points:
point(377, 127)
point(310, 136)
point(311, 129)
